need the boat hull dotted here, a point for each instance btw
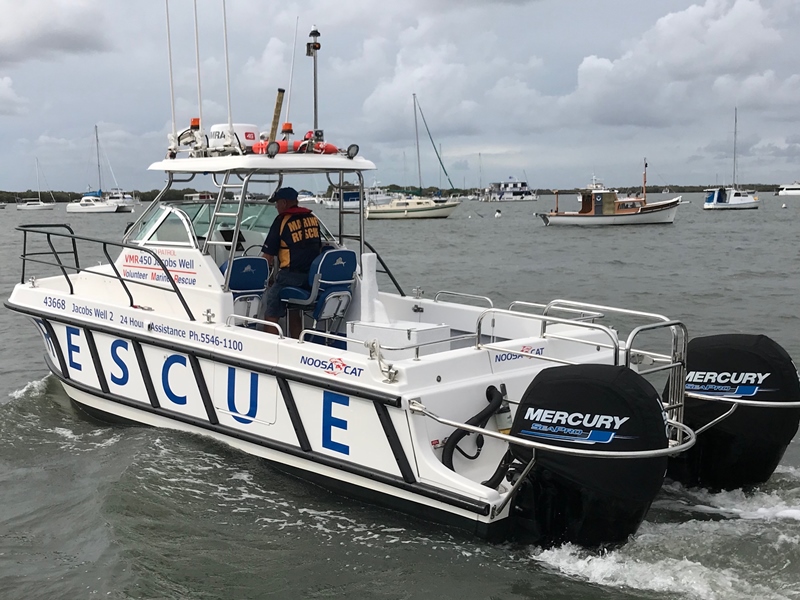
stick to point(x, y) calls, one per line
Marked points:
point(76, 208)
point(282, 415)
point(44, 206)
point(730, 206)
point(432, 212)
point(658, 216)
point(525, 198)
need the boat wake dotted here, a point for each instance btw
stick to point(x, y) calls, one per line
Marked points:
point(32, 389)
point(635, 567)
point(685, 545)
point(779, 499)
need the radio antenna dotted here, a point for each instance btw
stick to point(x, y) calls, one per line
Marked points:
point(173, 141)
point(201, 137)
point(227, 74)
point(287, 126)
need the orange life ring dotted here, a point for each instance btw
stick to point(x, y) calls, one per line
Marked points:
point(297, 146)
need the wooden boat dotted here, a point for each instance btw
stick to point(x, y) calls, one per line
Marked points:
point(602, 206)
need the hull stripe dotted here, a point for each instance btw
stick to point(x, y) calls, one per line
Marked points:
point(98, 366)
point(294, 414)
point(424, 490)
point(290, 374)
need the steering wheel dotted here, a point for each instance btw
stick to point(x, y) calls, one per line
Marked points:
point(246, 250)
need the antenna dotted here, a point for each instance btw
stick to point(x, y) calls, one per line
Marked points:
point(173, 141)
point(229, 137)
point(200, 136)
point(311, 50)
point(287, 125)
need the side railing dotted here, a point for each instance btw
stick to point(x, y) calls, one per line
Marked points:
point(30, 232)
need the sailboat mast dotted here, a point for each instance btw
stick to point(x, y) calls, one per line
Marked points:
point(644, 182)
point(735, 128)
point(97, 147)
point(38, 186)
point(416, 136)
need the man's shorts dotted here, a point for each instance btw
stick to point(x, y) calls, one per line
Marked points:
point(271, 303)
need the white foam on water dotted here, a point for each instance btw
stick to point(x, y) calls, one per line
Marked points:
point(757, 504)
point(620, 569)
point(32, 388)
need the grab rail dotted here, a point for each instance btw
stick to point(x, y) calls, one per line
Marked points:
point(584, 315)
point(462, 295)
point(742, 401)
point(35, 229)
point(543, 320)
point(24, 229)
point(673, 447)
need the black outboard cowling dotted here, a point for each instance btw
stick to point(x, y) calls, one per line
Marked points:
point(588, 501)
point(743, 449)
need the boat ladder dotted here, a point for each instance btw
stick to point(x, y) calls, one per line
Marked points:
point(239, 194)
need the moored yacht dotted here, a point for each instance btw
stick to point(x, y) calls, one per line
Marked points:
point(124, 201)
point(412, 207)
point(729, 198)
point(536, 421)
point(36, 203)
point(512, 190)
point(790, 189)
point(92, 202)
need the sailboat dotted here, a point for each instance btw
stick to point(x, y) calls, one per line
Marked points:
point(93, 201)
point(36, 203)
point(415, 207)
point(730, 198)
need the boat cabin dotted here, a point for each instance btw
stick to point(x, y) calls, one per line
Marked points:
point(606, 202)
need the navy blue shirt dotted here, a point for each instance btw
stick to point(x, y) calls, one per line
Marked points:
point(294, 238)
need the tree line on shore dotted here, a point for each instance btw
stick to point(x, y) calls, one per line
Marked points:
point(173, 195)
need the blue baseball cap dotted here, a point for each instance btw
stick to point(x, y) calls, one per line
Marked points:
point(284, 193)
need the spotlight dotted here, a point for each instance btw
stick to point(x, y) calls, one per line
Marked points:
point(272, 149)
point(352, 150)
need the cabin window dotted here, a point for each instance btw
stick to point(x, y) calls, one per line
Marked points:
point(173, 230)
point(165, 225)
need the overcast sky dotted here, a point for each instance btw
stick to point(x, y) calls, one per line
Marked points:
point(552, 91)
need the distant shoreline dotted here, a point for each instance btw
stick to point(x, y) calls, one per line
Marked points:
point(147, 196)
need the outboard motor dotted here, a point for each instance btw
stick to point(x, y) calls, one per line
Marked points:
point(588, 501)
point(744, 448)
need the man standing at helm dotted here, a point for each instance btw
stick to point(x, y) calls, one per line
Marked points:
point(294, 240)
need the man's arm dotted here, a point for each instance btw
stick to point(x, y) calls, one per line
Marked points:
point(272, 270)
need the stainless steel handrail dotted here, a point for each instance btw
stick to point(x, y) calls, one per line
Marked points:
point(674, 447)
point(103, 244)
point(234, 317)
point(543, 320)
point(462, 295)
point(584, 315)
point(742, 401)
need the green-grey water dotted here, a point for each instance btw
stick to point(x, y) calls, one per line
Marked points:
point(89, 510)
